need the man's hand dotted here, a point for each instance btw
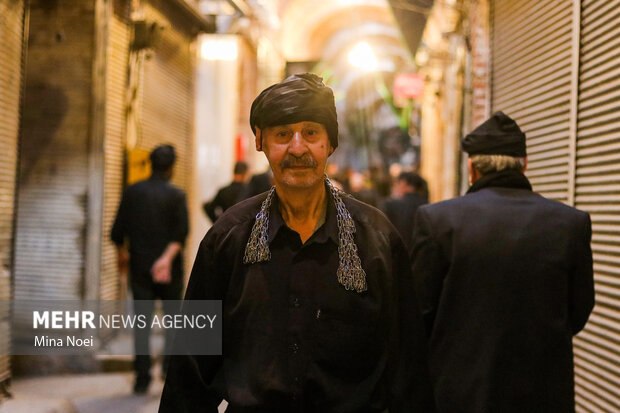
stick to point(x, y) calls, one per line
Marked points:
point(122, 258)
point(160, 271)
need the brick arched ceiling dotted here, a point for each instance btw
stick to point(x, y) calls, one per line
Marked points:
point(306, 27)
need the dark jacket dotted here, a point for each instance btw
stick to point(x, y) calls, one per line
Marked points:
point(401, 213)
point(504, 277)
point(258, 184)
point(152, 214)
point(294, 339)
point(224, 199)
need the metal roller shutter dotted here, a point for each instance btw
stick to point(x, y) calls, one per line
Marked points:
point(118, 57)
point(54, 155)
point(556, 70)
point(531, 82)
point(110, 287)
point(167, 92)
point(597, 190)
point(11, 51)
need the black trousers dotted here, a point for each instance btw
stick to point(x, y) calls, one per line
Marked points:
point(144, 293)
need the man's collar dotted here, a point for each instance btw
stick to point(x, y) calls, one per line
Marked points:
point(328, 230)
point(159, 176)
point(504, 179)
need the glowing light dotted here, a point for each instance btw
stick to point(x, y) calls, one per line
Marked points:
point(363, 57)
point(220, 48)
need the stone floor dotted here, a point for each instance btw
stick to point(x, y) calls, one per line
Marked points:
point(81, 393)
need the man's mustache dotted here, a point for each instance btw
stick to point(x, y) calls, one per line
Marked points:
point(292, 161)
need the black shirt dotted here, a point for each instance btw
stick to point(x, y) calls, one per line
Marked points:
point(152, 214)
point(294, 340)
point(224, 199)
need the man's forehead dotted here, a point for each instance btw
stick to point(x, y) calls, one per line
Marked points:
point(303, 124)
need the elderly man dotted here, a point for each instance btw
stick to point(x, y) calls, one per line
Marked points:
point(504, 278)
point(319, 312)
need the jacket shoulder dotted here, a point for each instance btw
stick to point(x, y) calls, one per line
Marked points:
point(443, 206)
point(479, 199)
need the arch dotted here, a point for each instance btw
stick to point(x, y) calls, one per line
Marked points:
point(307, 26)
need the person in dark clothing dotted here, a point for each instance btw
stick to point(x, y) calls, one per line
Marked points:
point(258, 184)
point(229, 195)
point(401, 211)
point(504, 277)
point(152, 220)
point(319, 311)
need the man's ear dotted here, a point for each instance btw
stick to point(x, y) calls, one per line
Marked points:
point(473, 172)
point(258, 139)
point(331, 150)
point(524, 165)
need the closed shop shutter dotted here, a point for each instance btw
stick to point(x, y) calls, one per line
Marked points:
point(168, 91)
point(54, 148)
point(118, 57)
point(111, 286)
point(531, 80)
point(11, 39)
point(597, 190)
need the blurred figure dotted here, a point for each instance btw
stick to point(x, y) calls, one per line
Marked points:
point(362, 189)
point(258, 184)
point(411, 194)
point(381, 183)
point(504, 278)
point(333, 172)
point(394, 171)
point(228, 195)
point(152, 220)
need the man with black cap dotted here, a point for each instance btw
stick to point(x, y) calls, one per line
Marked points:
point(319, 310)
point(504, 278)
point(152, 220)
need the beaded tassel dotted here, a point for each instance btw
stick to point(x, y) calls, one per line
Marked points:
point(350, 273)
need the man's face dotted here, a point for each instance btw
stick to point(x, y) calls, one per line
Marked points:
point(297, 153)
point(402, 187)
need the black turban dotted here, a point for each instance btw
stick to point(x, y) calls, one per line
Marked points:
point(298, 98)
point(498, 135)
point(162, 157)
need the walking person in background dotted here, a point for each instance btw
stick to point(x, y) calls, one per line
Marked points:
point(228, 195)
point(504, 277)
point(410, 189)
point(258, 184)
point(152, 221)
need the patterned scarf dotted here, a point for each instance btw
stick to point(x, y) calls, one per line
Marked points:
point(350, 272)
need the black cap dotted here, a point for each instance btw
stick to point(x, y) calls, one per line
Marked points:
point(298, 98)
point(162, 157)
point(498, 135)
